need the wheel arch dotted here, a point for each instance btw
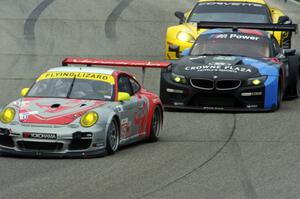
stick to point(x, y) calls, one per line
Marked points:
point(152, 105)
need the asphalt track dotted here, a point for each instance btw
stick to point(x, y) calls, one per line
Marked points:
point(199, 155)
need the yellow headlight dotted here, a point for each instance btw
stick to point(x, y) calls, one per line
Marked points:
point(184, 36)
point(89, 119)
point(177, 79)
point(256, 82)
point(7, 115)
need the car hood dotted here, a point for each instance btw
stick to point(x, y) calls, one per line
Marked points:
point(223, 67)
point(54, 110)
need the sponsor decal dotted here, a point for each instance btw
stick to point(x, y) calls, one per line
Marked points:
point(230, 4)
point(119, 108)
point(224, 58)
point(218, 68)
point(252, 106)
point(46, 136)
point(234, 36)
point(78, 75)
point(213, 108)
point(24, 116)
point(125, 128)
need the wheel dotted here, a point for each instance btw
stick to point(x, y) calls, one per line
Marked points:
point(156, 124)
point(112, 137)
point(293, 87)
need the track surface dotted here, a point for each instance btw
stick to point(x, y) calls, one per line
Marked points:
point(242, 156)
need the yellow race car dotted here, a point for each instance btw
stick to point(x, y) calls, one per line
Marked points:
point(182, 36)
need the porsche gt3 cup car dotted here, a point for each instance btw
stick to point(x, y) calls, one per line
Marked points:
point(182, 36)
point(81, 112)
point(232, 70)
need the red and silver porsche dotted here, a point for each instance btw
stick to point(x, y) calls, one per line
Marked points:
point(81, 111)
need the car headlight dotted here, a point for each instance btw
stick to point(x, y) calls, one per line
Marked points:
point(184, 36)
point(89, 119)
point(256, 81)
point(178, 78)
point(7, 115)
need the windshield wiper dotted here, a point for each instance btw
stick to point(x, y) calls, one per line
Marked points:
point(71, 87)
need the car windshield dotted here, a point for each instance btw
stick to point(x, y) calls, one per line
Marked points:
point(231, 44)
point(230, 12)
point(72, 87)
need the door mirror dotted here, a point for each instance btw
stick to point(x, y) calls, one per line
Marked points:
point(122, 96)
point(289, 52)
point(180, 16)
point(24, 92)
point(174, 48)
point(284, 20)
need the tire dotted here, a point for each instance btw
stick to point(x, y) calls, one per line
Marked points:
point(156, 124)
point(293, 87)
point(112, 137)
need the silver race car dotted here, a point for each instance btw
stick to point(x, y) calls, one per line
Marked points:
point(81, 111)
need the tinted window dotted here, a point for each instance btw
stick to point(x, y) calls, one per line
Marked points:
point(124, 85)
point(135, 86)
point(231, 44)
point(230, 12)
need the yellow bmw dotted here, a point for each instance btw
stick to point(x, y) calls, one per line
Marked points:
point(182, 36)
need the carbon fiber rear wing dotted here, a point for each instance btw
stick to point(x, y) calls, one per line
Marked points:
point(285, 29)
point(112, 62)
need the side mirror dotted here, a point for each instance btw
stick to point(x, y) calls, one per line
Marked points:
point(284, 20)
point(180, 16)
point(289, 52)
point(24, 92)
point(122, 96)
point(173, 48)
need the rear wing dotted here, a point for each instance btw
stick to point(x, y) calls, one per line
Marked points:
point(112, 62)
point(286, 29)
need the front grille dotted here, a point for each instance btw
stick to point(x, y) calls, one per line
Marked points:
point(228, 84)
point(43, 146)
point(215, 100)
point(205, 84)
point(7, 141)
point(80, 144)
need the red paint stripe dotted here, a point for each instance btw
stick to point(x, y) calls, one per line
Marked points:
point(111, 62)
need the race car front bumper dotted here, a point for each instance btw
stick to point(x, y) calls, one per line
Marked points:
point(67, 142)
point(186, 97)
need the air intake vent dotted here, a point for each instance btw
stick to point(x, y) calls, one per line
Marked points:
point(228, 84)
point(205, 84)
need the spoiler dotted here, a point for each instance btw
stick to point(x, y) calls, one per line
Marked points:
point(112, 62)
point(286, 29)
point(259, 26)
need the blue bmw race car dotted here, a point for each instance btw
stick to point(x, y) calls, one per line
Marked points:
point(236, 68)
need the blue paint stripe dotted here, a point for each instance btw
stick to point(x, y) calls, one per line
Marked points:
point(271, 84)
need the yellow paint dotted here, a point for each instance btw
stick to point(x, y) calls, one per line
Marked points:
point(78, 75)
point(24, 91)
point(191, 28)
point(123, 96)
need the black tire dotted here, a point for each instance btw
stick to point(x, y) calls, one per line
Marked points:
point(293, 87)
point(156, 124)
point(113, 137)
